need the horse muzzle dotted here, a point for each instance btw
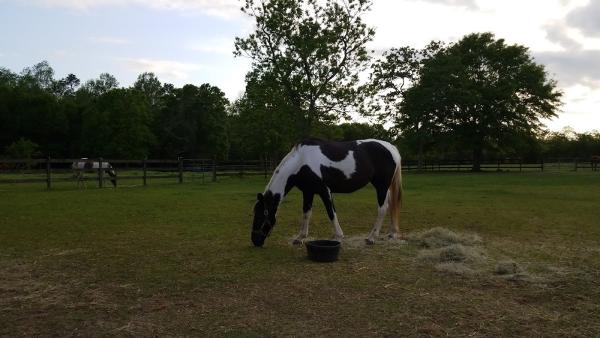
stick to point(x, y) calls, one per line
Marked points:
point(258, 239)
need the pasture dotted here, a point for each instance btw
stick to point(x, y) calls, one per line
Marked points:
point(170, 259)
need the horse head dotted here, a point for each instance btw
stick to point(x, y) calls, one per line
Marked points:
point(264, 217)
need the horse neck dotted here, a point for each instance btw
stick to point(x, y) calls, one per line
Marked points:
point(288, 167)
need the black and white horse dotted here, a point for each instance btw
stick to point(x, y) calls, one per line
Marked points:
point(319, 167)
point(85, 165)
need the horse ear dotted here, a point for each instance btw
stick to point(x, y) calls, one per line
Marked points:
point(259, 197)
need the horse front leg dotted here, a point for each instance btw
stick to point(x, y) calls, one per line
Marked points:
point(328, 202)
point(306, 212)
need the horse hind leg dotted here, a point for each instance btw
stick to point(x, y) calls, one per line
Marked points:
point(382, 202)
point(79, 178)
point(306, 212)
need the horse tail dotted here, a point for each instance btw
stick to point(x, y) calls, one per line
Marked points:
point(395, 190)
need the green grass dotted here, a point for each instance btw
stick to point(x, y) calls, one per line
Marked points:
point(170, 259)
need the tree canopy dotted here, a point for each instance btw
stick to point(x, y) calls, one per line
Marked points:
point(46, 116)
point(312, 50)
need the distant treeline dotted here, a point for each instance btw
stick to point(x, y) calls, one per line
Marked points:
point(43, 116)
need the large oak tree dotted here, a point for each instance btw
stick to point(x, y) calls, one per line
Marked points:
point(479, 92)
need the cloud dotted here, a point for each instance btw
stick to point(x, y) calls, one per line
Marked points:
point(111, 40)
point(220, 8)
point(586, 18)
point(212, 46)
point(172, 70)
point(558, 32)
point(573, 67)
point(470, 4)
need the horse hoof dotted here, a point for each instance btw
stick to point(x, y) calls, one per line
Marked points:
point(392, 237)
point(297, 241)
point(369, 241)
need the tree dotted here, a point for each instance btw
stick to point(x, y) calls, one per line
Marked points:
point(67, 86)
point(151, 88)
point(194, 122)
point(103, 84)
point(357, 131)
point(118, 124)
point(390, 78)
point(22, 149)
point(41, 75)
point(313, 50)
point(262, 121)
point(479, 90)
point(7, 78)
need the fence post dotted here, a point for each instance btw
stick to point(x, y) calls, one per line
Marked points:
point(180, 169)
point(520, 164)
point(575, 163)
point(542, 164)
point(242, 169)
point(203, 168)
point(498, 168)
point(48, 174)
point(144, 171)
point(100, 173)
point(214, 168)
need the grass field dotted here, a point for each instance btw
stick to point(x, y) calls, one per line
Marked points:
point(177, 260)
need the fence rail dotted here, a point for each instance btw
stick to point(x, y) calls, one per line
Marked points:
point(51, 170)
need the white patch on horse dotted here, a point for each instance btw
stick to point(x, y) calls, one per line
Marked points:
point(287, 167)
point(314, 158)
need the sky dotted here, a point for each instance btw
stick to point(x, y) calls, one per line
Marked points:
point(191, 41)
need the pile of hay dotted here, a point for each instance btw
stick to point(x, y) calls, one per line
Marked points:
point(462, 254)
point(512, 271)
point(450, 251)
point(439, 237)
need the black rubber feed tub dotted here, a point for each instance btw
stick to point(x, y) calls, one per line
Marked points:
point(323, 250)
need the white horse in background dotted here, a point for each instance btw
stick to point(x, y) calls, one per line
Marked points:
point(85, 165)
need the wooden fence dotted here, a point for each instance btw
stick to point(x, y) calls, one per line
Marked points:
point(467, 165)
point(50, 171)
point(548, 164)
